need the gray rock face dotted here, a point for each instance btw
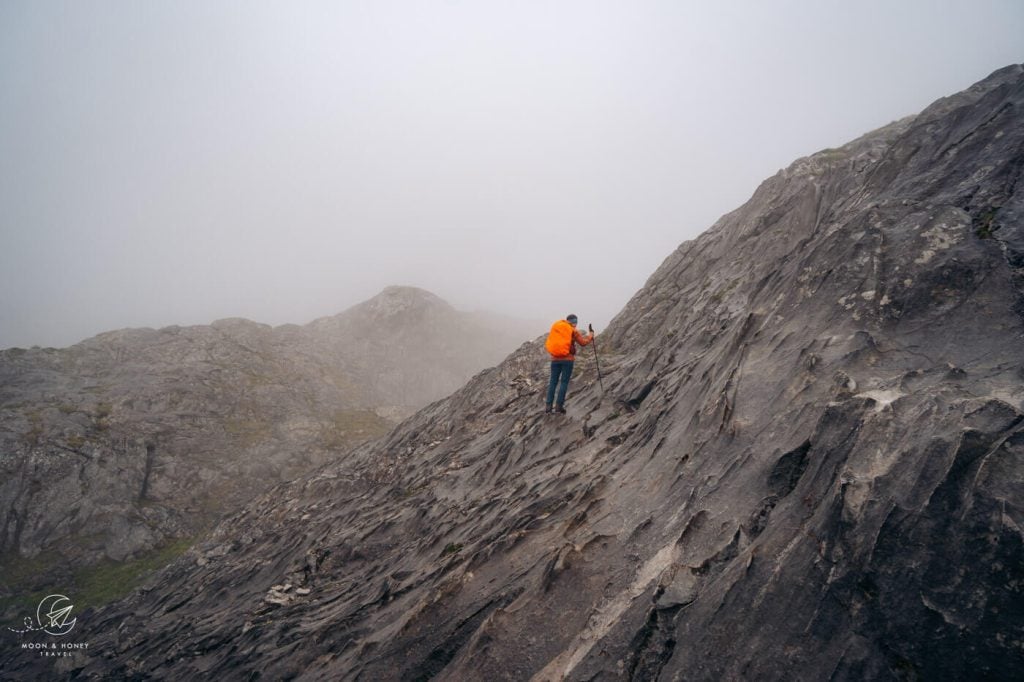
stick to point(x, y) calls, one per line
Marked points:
point(128, 439)
point(809, 464)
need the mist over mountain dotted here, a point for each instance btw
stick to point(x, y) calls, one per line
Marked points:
point(134, 441)
point(414, 347)
point(807, 462)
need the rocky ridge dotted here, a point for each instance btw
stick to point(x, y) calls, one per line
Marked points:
point(131, 439)
point(808, 464)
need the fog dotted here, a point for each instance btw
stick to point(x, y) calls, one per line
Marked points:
point(178, 162)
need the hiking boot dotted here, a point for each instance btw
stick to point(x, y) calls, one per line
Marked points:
point(559, 409)
point(547, 409)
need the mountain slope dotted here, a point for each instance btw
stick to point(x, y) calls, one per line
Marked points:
point(117, 446)
point(809, 464)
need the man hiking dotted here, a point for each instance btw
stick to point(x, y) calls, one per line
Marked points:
point(561, 344)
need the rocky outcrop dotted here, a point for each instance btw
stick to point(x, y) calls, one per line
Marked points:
point(115, 446)
point(808, 464)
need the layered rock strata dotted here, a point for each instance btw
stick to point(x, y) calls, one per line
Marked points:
point(808, 464)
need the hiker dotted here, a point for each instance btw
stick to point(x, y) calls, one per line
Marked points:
point(561, 344)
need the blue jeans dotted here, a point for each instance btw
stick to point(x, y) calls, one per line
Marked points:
point(561, 370)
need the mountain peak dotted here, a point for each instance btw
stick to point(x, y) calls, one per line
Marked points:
point(395, 301)
point(408, 296)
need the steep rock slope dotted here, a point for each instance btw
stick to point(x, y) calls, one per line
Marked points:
point(809, 464)
point(112, 447)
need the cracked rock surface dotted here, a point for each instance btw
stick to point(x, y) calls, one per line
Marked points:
point(808, 464)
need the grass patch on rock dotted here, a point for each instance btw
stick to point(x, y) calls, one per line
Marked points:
point(20, 584)
point(27, 581)
point(351, 427)
point(109, 580)
point(249, 432)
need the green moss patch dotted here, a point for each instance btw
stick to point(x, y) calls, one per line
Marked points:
point(27, 581)
point(21, 583)
point(108, 580)
point(452, 548)
point(985, 224)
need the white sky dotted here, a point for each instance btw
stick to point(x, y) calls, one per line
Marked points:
point(178, 162)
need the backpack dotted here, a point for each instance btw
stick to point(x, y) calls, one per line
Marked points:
point(560, 339)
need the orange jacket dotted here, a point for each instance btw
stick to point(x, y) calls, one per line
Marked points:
point(576, 338)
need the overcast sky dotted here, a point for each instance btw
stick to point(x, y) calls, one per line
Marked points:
point(178, 162)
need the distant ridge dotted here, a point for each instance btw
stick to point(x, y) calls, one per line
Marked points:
point(137, 439)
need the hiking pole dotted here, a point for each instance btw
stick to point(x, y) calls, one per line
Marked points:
point(590, 328)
